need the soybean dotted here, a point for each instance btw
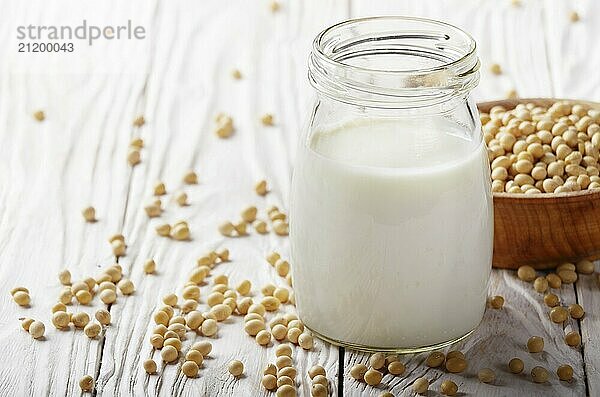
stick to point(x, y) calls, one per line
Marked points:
point(565, 372)
point(236, 368)
point(516, 365)
point(535, 344)
point(448, 388)
point(421, 385)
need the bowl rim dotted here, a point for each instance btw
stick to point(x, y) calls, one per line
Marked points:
point(581, 195)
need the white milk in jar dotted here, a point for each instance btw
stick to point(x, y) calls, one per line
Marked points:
point(391, 232)
point(391, 214)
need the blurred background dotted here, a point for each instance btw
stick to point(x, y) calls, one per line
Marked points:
point(543, 51)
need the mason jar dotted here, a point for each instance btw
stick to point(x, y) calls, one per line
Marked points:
point(391, 216)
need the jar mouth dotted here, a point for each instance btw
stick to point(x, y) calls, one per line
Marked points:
point(393, 62)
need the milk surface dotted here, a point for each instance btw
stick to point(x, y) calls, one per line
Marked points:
point(391, 229)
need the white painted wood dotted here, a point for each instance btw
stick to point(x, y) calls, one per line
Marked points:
point(180, 78)
point(573, 62)
point(50, 171)
point(185, 91)
point(499, 29)
point(501, 336)
point(587, 296)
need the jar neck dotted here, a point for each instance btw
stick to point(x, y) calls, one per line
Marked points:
point(393, 63)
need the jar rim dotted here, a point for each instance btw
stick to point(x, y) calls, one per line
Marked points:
point(317, 47)
point(451, 52)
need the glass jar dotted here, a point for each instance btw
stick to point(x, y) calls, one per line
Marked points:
point(391, 220)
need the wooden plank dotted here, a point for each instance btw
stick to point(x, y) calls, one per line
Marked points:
point(587, 296)
point(51, 171)
point(565, 42)
point(188, 87)
point(499, 30)
point(501, 336)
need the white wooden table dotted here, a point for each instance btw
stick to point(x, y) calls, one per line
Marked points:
point(179, 78)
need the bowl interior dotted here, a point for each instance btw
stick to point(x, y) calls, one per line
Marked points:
point(545, 102)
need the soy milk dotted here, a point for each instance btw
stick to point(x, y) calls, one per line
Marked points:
point(391, 232)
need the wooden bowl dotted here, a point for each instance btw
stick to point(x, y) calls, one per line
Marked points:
point(547, 229)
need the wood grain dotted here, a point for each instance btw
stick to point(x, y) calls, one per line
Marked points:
point(526, 69)
point(588, 297)
point(180, 105)
point(54, 169)
point(50, 171)
point(501, 336)
point(179, 78)
point(574, 77)
point(546, 231)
